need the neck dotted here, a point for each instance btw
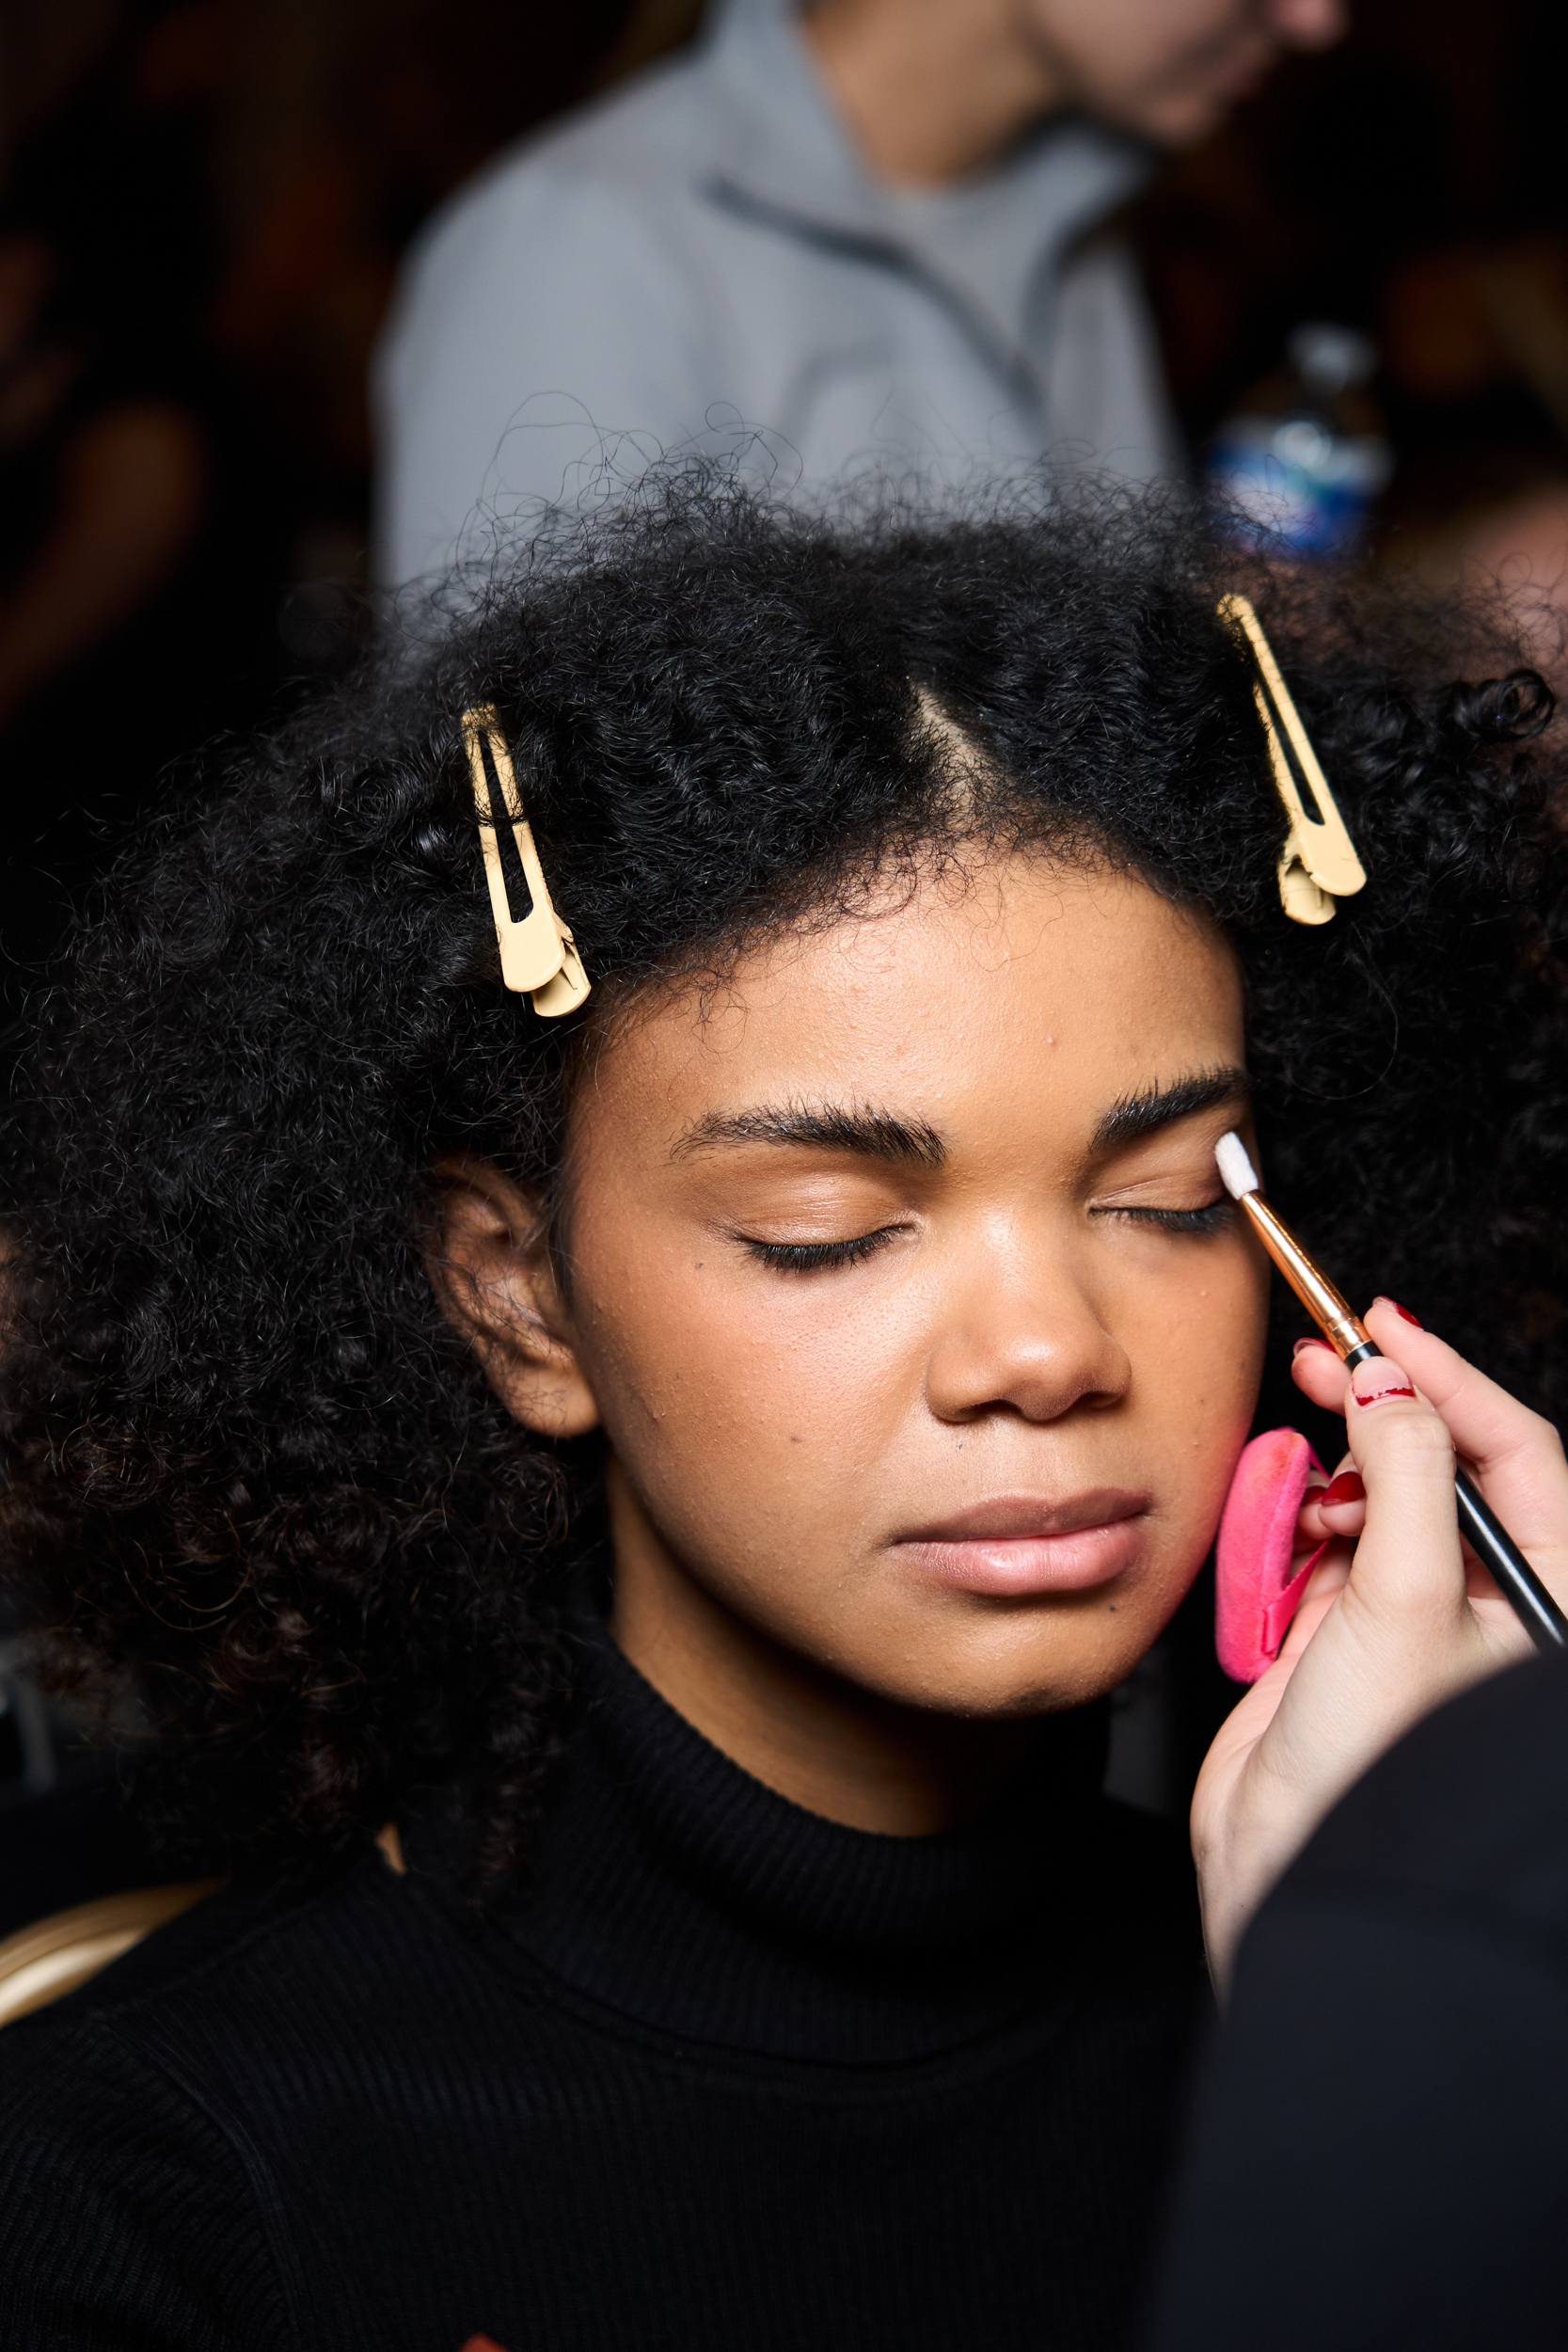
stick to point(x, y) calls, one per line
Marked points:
point(931, 91)
point(824, 1743)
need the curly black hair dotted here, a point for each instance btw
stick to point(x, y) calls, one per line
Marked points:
point(247, 1464)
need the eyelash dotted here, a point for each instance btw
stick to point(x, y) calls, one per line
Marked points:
point(811, 1257)
point(806, 1257)
point(1212, 1219)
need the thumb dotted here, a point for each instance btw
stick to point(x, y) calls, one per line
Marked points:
point(1409, 1566)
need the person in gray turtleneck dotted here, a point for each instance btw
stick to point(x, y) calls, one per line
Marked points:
point(870, 235)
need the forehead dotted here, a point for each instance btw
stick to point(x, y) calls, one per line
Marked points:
point(1019, 994)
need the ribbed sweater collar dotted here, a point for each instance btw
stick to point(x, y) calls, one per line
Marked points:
point(673, 1889)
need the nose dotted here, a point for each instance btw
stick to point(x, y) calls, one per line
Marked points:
point(1021, 1334)
point(1307, 24)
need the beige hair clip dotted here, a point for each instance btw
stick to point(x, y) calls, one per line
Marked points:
point(1318, 864)
point(537, 955)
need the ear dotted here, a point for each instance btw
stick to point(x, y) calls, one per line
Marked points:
point(489, 1265)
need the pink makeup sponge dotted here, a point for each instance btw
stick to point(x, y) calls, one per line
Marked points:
point(1256, 1596)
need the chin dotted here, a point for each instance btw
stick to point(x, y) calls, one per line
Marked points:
point(1000, 1678)
point(1180, 121)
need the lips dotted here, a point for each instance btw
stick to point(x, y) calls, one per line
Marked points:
point(1014, 1545)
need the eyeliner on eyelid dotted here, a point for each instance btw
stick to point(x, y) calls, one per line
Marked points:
point(806, 1257)
point(1212, 1218)
point(810, 1257)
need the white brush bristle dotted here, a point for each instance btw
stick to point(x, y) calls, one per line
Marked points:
point(1237, 1172)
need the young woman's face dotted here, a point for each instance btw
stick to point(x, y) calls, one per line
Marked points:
point(920, 1327)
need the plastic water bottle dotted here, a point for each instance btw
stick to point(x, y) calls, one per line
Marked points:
point(1299, 470)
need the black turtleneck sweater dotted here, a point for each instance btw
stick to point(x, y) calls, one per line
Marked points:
point(725, 2075)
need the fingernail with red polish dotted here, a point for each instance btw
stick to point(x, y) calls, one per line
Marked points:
point(1384, 1300)
point(1378, 1379)
point(1347, 1487)
point(1301, 1344)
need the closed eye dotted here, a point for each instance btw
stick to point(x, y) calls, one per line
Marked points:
point(1212, 1219)
point(807, 1257)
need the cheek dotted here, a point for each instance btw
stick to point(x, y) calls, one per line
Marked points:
point(740, 1405)
point(1198, 1359)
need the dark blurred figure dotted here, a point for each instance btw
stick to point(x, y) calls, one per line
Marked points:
point(1381, 2155)
point(198, 241)
point(139, 563)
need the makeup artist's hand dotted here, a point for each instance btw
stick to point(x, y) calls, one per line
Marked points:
point(1398, 1616)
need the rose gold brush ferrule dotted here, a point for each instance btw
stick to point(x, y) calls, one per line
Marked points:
point(1343, 1331)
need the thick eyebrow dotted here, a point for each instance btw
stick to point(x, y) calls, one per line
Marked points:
point(1148, 1108)
point(874, 1135)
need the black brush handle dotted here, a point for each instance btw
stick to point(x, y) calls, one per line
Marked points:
point(1492, 1544)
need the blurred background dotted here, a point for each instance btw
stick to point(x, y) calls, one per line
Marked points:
point(202, 207)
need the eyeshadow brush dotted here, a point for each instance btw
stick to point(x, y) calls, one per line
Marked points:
point(1485, 1533)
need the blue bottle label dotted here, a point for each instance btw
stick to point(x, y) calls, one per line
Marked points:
point(1291, 483)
